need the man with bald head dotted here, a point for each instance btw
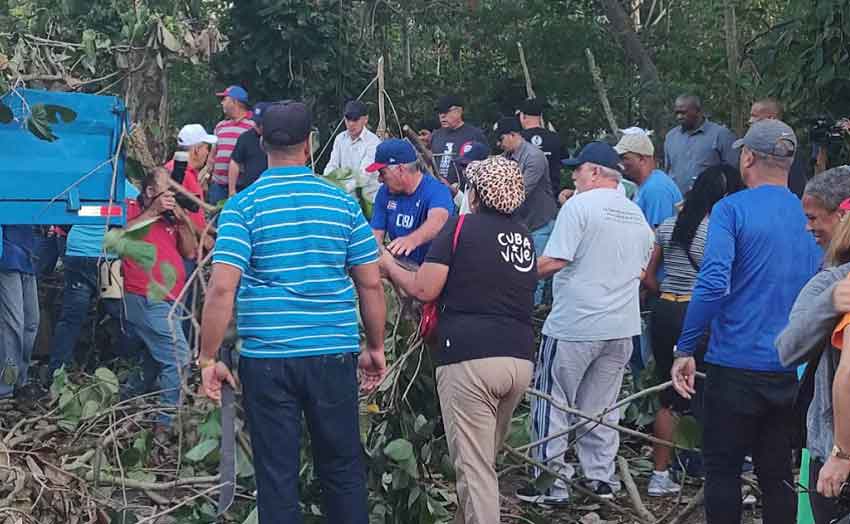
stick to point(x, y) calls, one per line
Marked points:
point(696, 143)
point(772, 108)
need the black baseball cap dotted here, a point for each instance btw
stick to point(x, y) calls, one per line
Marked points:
point(507, 124)
point(355, 109)
point(531, 107)
point(286, 123)
point(447, 102)
point(599, 153)
point(471, 152)
point(257, 112)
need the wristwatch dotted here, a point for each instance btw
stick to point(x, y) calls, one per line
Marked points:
point(679, 354)
point(839, 453)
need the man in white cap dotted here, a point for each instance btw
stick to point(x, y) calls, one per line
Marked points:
point(657, 194)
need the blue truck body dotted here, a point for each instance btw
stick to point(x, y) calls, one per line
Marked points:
point(72, 180)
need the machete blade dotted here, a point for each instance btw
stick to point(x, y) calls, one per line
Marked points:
point(227, 462)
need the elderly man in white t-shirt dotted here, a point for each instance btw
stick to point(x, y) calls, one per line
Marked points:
point(598, 252)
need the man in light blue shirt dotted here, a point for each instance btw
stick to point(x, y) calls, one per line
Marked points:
point(83, 251)
point(300, 254)
point(696, 143)
point(657, 194)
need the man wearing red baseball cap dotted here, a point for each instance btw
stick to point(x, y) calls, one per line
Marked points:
point(234, 104)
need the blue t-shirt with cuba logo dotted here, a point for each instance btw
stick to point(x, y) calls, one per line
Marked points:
point(400, 215)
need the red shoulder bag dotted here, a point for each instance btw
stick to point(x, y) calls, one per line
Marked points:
point(431, 310)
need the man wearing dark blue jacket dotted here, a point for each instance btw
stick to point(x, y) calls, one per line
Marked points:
point(757, 259)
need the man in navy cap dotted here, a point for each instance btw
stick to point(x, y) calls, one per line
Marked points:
point(248, 160)
point(597, 253)
point(531, 118)
point(410, 207)
point(297, 256)
point(234, 104)
point(454, 136)
point(354, 148)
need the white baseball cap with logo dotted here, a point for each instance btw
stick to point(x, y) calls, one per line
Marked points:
point(194, 134)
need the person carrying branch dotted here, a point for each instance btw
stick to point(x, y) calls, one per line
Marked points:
point(300, 253)
point(410, 207)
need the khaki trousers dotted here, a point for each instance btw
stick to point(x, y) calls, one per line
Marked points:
point(477, 399)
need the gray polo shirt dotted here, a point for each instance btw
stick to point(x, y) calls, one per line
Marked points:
point(689, 153)
point(539, 206)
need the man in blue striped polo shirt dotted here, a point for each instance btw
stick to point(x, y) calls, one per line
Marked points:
point(296, 248)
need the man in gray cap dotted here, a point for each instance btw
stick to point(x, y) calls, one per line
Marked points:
point(354, 148)
point(757, 259)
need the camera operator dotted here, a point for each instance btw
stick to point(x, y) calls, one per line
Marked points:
point(193, 149)
point(798, 176)
point(174, 240)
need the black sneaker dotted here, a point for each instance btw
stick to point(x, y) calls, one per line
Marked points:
point(600, 489)
point(532, 496)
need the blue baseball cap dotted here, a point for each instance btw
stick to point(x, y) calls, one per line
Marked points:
point(392, 152)
point(599, 153)
point(237, 93)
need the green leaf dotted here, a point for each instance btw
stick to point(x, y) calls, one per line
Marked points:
point(155, 292)
point(202, 450)
point(211, 427)
point(253, 518)
point(169, 275)
point(90, 409)
point(131, 457)
point(399, 450)
point(413, 496)
point(688, 433)
point(168, 39)
point(244, 467)
point(55, 114)
point(108, 379)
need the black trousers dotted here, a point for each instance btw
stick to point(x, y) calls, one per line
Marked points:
point(748, 411)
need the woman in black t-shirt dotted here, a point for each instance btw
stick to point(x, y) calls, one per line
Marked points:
point(482, 270)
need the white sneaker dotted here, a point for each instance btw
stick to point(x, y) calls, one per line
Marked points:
point(662, 485)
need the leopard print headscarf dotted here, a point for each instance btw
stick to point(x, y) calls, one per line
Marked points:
point(498, 183)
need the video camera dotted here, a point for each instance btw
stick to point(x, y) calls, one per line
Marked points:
point(824, 130)
point(181, 162)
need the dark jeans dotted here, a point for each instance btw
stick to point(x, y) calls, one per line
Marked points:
point(823, 509)
point(277, 391)
point(80, 288)
point(748, 411)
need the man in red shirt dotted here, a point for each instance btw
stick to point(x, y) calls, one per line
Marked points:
point(234, 104)
point(172, 236)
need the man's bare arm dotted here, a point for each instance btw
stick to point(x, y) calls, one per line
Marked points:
point(548, 266)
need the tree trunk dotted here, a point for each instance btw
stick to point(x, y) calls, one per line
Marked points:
point(654, 104)
point(147, 102)
point(732, 60)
